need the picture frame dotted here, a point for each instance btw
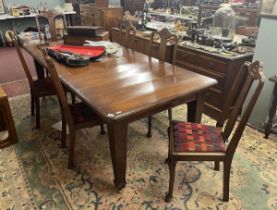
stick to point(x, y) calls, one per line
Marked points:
point(2, 7)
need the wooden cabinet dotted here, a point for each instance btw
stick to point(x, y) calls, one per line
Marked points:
point(223, 69)
point(96, 16)
point(91, 16)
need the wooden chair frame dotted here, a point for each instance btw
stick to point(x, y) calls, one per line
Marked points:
point(50, 16)
point(165, 37)
point(254, 72)
point(67, 118)
point(36, 92)
point(130, 31)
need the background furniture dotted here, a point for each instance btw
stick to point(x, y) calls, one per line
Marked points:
point(246, 30)
point(6, 122)
point(92, 15)
point(119, 99)
point(272, 109)
point(80, 40)
point(51, 24)
point(196, 142)
point(222, 68)
point(21, 23)
point(251, 14)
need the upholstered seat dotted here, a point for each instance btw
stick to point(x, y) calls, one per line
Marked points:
point(45, 86)
point(193, 137)
point(81, 113)
point(197, 142)
point(74, 116)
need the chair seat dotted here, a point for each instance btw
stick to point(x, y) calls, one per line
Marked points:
point(193, 137)
point(81, 113)
point(45, 86)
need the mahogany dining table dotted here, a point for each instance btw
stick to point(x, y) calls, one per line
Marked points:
point(129, 86)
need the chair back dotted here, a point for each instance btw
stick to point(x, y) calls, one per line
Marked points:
point(130, 31)
point(51, 70)
point(165, 37)
point(254, 72)
point(22, 60)
point(51, 24)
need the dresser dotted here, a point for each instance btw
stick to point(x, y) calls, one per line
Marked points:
point(222, 68)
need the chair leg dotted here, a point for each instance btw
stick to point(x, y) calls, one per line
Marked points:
point(37, 107)
point(170, 114)
point(172, 167)
point(216, 165)
point(102, 129)
point(32, 105)
point(71, 148)
point(149, 133)
point(226, 180)
point(73, 98)
point(63, 132)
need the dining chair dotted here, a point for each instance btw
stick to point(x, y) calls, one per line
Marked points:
point(39, 87)
point(126, 32)
point(165, 38)
point(75, 116)
point(52, 24)
point(198, 142)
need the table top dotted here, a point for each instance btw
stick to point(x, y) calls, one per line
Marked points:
point(126, 84)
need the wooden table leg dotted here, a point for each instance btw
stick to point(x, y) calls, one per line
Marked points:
point(195, 108)
point(118, 146)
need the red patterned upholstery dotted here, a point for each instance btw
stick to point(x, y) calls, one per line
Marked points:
point(81, 113)
point(192, 137)
point(45, 86)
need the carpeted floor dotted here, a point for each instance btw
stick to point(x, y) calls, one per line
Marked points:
point(33, 173)
point(12, 76)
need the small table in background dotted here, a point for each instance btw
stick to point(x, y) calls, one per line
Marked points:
point(272, 110)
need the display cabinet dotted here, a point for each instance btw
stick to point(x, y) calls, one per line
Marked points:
point(247, 15)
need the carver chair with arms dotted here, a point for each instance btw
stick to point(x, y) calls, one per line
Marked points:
point(165, 37)
point(196, 142)
point(75, 116)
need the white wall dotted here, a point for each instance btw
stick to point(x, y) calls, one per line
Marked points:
point(22, 24)
point(265, 51)
point(35, 3)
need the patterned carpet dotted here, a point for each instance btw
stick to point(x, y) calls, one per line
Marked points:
point(33, 173)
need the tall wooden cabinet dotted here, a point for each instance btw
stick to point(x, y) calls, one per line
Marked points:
point(92, 15)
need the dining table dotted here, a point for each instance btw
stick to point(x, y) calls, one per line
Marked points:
point(129, 86)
